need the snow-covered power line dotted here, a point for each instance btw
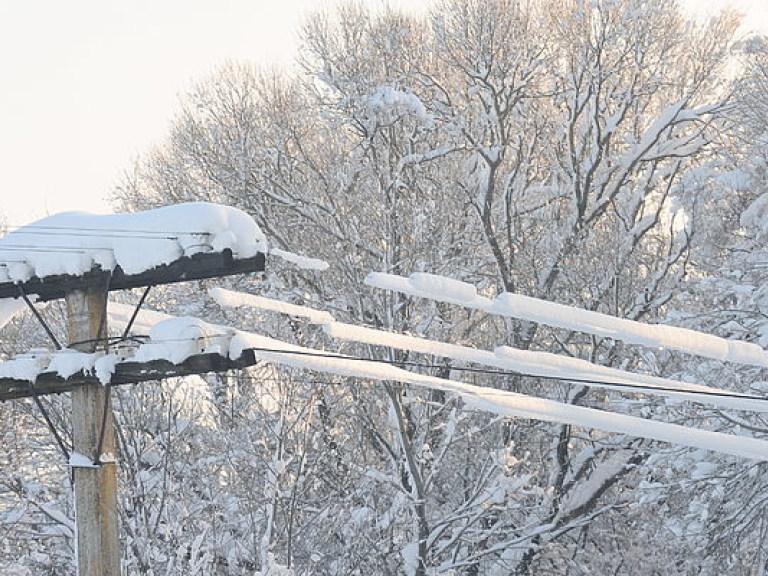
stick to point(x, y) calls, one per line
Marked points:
point(507, 403)
point(233, 344)
point(500, 402)
point(522, 307)
point(706, 395)
point(540, 364)
point(232, 299)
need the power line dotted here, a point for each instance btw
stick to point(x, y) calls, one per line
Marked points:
point(126, 234)
point(91, 232)
point(489, 371)
point(59, 248)
point(65, 247)
point(81, 249)
point(70, 230)
point(474, 370)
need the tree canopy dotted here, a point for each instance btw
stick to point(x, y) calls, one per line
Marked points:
point(605, 154)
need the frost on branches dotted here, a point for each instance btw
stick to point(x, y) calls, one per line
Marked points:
point(605, 155)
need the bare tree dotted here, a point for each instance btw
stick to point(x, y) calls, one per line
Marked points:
point(547, 148)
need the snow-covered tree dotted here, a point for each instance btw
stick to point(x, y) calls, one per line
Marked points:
point(564, 150)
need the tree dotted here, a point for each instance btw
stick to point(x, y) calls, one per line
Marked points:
point(726, 296)
point(552, 149)
point(36, 515)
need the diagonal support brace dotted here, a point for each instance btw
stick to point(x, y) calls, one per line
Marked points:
point(49, 421)
point(39, 317)
point(108, 391)
point(136, 311)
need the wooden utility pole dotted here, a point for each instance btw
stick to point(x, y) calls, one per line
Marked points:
point(94, 450)
point(98, 544)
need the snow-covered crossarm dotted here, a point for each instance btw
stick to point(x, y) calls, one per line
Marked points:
point(74, 250)
point(570, 318)
point(28, 377)
point(173, 347)
point(542, 364)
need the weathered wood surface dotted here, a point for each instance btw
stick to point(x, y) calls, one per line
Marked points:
point(126, 372)
point(98, 535)
point(197, 267)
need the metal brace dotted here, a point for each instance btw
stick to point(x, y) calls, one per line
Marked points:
point(39, 317)
point(108, 392)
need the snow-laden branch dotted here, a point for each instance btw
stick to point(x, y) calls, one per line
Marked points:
point(9, 308)
point(570, 318)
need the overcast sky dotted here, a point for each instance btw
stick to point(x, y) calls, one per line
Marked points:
point(90, 84)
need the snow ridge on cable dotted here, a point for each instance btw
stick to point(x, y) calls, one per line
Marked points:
point(533, 363)
point(570, 318)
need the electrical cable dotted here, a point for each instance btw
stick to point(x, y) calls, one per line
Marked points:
point(470, 369)
point(80, 249)
point(57, 248)
point(80, 232)
point(86, 234)
point(73, 230)
point(40, 249)
point(488, 371)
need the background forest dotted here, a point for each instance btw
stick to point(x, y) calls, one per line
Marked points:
point(605, 154)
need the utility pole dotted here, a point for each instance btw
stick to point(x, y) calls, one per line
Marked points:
point(94, 450)
point(98, 542)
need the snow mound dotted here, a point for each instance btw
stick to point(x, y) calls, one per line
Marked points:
point(176, 339)
point(303, 262)
point(76, 242)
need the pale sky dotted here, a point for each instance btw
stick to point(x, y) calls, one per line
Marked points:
point(88, 85)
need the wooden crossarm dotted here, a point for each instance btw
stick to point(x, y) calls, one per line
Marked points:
point(197, 267)
point(127, 372)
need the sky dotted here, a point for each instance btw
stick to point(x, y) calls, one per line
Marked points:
point(89, 85)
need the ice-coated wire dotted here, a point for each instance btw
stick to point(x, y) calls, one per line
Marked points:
point(476, 370)
point(69, 230)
